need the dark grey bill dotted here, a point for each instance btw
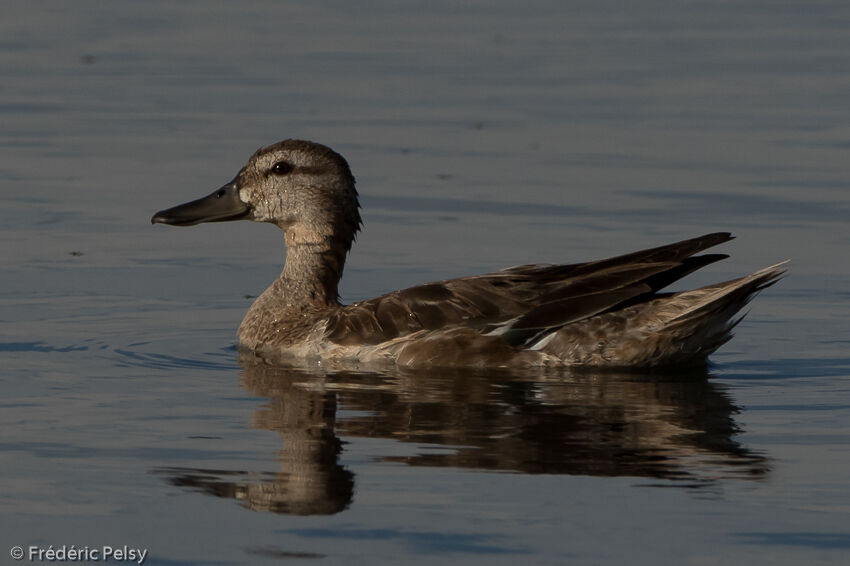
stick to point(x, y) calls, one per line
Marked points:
point(222, 205)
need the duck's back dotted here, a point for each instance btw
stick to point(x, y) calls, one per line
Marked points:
point(603, 313)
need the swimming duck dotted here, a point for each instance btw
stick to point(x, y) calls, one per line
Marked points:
point(606, 313)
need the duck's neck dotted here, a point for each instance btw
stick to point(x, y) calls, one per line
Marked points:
point(311, 275)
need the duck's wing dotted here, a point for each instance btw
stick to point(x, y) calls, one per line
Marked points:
point(519, 302)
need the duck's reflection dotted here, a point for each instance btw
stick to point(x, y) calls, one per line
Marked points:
point(675, 428)
point(311, 480)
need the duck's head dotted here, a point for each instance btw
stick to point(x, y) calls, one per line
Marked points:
point(303, 187)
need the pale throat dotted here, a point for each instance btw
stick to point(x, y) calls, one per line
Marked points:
point(312, 271)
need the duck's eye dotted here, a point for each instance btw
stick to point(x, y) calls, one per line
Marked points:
point(281, 168)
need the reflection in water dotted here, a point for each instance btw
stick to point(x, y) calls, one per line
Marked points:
point(673, 427)
point(311, 480)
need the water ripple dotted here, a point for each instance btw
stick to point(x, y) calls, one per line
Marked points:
point(164, 361)
point(37, 346)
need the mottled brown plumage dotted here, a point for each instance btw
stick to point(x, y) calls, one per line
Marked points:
point(601, 313)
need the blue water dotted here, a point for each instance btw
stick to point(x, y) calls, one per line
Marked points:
point(482, 136)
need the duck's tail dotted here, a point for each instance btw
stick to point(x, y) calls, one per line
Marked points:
point(706, 316)
point(728, 296)
point(678, 329)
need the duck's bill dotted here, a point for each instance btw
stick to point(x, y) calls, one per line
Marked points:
point(221, 206)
